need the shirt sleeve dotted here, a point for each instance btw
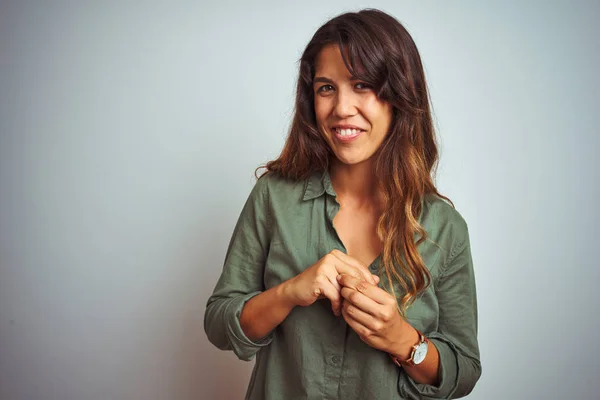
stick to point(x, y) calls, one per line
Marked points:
point(456, 337)
point(241, 278)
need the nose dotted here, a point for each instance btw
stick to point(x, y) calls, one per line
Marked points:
point(345, 105)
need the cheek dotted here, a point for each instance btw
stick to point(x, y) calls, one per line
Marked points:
point(320, 113)
point(383, 118)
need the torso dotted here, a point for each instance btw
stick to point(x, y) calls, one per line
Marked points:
point(358, 232)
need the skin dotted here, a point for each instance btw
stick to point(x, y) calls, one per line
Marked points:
point(348, 101)
point(345, 280)
point(262, 313)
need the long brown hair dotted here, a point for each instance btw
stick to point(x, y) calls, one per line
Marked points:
point(406, 161)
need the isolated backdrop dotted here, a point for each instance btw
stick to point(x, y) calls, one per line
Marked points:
point(129, 132)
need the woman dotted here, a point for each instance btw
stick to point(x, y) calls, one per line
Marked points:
point(348, 275)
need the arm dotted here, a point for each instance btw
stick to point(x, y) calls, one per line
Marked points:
point(456, 338)
point(452, 365)
point(263, 313)
point(427, 372)
point(241, 278)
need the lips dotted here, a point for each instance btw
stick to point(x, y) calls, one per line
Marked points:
point(346, 135)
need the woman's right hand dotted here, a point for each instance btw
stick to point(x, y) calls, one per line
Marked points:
point(320, 280)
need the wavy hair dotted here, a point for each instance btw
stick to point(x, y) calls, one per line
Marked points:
point(406, 161)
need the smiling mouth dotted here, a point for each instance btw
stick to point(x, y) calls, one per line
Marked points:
point(347, 132)
point(346, 135)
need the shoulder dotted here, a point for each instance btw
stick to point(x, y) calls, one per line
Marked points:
point(443, 223)
point(278, 189)
point(438, 211)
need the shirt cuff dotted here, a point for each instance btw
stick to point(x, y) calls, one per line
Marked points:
point(244, 348)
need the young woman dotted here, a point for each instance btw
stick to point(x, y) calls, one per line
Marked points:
point(348, 275)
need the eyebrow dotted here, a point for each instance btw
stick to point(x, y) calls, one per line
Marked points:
point(327, 80)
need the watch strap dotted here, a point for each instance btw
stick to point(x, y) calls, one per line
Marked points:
point(410, 362)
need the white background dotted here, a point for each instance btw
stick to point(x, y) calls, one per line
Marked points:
point(129, 133)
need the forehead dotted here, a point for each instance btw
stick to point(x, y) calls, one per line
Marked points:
point(329, 63)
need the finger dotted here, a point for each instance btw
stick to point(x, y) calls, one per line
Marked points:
point(376, 279)
point(330, 292)
point(351, 266)
point(356, 326)
point(373, 292)
point(348, 259)
point(359, 300)
point(363, 318)
point(332, 275)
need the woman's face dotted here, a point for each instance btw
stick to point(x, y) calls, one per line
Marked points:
point(349, 115)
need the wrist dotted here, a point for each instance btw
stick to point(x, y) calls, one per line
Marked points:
point(408, 338)
point(285, 294)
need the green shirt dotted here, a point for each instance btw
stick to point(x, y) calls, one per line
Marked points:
point(284, 228)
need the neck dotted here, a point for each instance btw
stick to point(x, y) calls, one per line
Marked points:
point(355, 185)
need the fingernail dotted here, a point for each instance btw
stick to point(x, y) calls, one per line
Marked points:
point(339, 278)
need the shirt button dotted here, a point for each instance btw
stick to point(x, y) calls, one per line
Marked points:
point(335, 359)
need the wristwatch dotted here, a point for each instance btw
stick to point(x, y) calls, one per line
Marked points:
point(417, 354)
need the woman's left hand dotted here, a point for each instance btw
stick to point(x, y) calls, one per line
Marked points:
point(373, 314)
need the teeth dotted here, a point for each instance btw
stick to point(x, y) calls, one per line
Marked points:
point(347, 132)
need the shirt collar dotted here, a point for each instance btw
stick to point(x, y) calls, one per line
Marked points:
point(318, 184)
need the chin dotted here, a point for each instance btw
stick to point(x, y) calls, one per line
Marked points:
point(351, 159)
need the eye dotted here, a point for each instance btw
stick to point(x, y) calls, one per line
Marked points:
point(324, 88)
point(363, 86)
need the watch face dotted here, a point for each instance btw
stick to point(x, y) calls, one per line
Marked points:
point(420, 353)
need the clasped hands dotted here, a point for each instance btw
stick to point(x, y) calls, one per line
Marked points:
point(368, 309)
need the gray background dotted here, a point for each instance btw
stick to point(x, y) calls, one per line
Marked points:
point(129, 136)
